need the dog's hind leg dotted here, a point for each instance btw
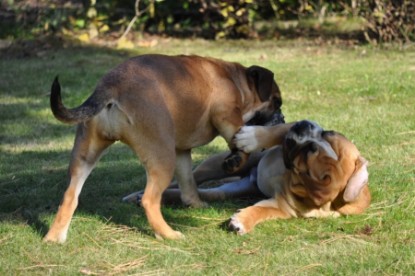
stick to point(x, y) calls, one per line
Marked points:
point(158, 158)
point(235, 189)
point(159, 175)
point(87, 150)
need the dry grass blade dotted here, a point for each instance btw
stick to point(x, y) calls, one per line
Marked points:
point(151, 273)
point(111, 269)
point(87, 271)
point(307, 267)
point(121, 268)
point(113, 229)
point(43, 266)
point(152, 246)
point(406, 132)
point(93, 240)
point(344, 237)
point(210, 219)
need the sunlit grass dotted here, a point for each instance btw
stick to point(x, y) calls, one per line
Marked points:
point(366, 93)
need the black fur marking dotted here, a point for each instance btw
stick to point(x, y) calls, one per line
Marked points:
point(261, 119)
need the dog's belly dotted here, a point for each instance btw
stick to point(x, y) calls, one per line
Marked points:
point(194, 138)
point(270, 172)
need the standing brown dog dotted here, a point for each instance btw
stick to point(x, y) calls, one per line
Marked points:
point(162, 107)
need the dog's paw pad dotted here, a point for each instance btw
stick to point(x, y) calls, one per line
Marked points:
point(232, 163)
point(236, 226)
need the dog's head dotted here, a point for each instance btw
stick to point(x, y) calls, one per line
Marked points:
point(262, 81)
point(323, 164)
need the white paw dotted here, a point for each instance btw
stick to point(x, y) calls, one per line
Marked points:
point(237, 226)
point(246, 140)
point(61, 238)
point(175, 235)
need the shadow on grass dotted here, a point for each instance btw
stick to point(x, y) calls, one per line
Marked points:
point(34, 191)
point(32, 181)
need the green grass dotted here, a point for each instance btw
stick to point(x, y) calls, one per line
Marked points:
point(368, 94)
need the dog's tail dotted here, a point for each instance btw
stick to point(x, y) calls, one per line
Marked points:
point(92, 106)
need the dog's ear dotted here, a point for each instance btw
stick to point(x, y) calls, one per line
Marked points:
point(357, 181)
point(263, 79)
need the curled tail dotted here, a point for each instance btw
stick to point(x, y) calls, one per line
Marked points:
point(92, 106)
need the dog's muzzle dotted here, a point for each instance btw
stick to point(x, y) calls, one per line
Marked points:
point(262, 119)
point(304, 137)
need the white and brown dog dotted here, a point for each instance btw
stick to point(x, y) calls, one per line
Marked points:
point(315, 173)
point(309, 173)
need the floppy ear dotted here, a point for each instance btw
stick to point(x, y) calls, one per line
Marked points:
point(357, 181)
point(263, 79)
point(327, 148)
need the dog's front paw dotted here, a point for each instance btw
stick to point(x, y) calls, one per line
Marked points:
point(246, 139)
point(237, 226)
point(242, 222)
point(234, 161)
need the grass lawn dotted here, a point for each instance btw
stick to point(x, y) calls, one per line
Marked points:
point(366, 93)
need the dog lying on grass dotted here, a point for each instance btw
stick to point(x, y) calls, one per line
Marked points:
point(306, 172)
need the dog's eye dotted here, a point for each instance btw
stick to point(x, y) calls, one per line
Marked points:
point(313, 148)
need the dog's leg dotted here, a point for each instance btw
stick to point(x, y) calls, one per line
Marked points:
point(235, 189)
point(209, 170)
point(228, 124)
point(245, 220)
point(251, 138)
point(158, 158)
point(184, 176)
point(87, 150)
point(159, 176)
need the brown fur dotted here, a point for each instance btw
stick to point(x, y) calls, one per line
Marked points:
point(315, 187)
point(162, 107)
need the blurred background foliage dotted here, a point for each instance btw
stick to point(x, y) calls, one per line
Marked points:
point(375, 21)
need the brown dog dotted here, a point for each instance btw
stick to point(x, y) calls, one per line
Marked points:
point(162, 107)
point(315, 173)
point(324, 175)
